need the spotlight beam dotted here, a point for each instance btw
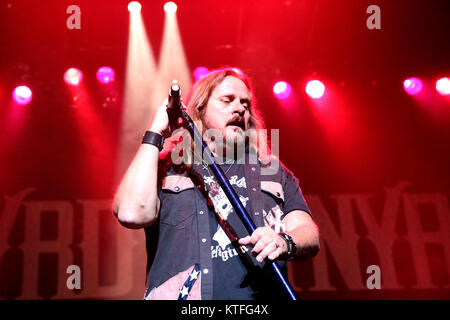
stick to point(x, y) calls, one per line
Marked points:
point(139, 90)
point(172, 61)
point(146, 84)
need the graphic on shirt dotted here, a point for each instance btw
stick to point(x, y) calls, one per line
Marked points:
point(221, 244)
point(219, 198)
point(273, 219)
point(223, 208)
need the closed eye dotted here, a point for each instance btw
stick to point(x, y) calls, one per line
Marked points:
point(227, 99)
point(245, 103)
point(230, 98)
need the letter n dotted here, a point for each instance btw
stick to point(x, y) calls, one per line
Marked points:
point(74, 20)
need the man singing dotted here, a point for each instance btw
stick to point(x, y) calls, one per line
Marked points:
point(197, 246)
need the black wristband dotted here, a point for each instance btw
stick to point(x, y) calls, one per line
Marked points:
point(153, 138)
point(291, 247)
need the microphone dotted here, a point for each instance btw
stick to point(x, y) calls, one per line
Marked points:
point(174, 104)
point(174, 96)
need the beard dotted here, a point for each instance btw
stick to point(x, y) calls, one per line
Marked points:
point(229, 141)
point(232, 146)
point(234, 136)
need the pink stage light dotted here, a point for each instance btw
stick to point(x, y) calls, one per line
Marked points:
point(315, 89)
point(443, 86)
point(22, 95)
point(73, 76)
point(200, 72)
point(105, 75)
point(170, 7)
point(412, 86)
point(282, 89)
point(134, 7)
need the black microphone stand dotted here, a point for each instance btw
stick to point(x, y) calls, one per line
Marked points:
point(226, 186)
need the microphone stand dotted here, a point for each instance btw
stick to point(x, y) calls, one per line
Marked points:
point(227, 188)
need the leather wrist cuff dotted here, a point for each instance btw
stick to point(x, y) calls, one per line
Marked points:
point(291, 247)
point(153, 138)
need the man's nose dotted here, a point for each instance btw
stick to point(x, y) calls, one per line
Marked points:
point(238, 107)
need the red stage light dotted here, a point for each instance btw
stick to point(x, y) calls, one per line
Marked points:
point(170, 7)
point(105, 75)
point(315, 89)
point(282, 89)
point(443, 86)
point(412, 86)
point(22, 95)
point(73, 76)
point(134, 7)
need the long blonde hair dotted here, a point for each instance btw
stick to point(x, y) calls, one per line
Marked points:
point(198, 99)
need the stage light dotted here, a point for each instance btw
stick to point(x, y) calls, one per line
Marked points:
point(22, 95)
point(315, 89)
point(73, 76)
point(282, 89)
point(134, 7)
point(237, 70)
point(105, 75)
point(200, 72)
point(412, 86)
point(170, 7)
point(443, 86)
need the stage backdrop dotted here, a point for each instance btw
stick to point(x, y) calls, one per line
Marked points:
point(372, 161)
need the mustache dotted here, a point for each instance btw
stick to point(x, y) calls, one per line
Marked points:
point(237, 121)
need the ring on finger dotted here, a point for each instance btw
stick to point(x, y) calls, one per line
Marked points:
point(276, 244)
